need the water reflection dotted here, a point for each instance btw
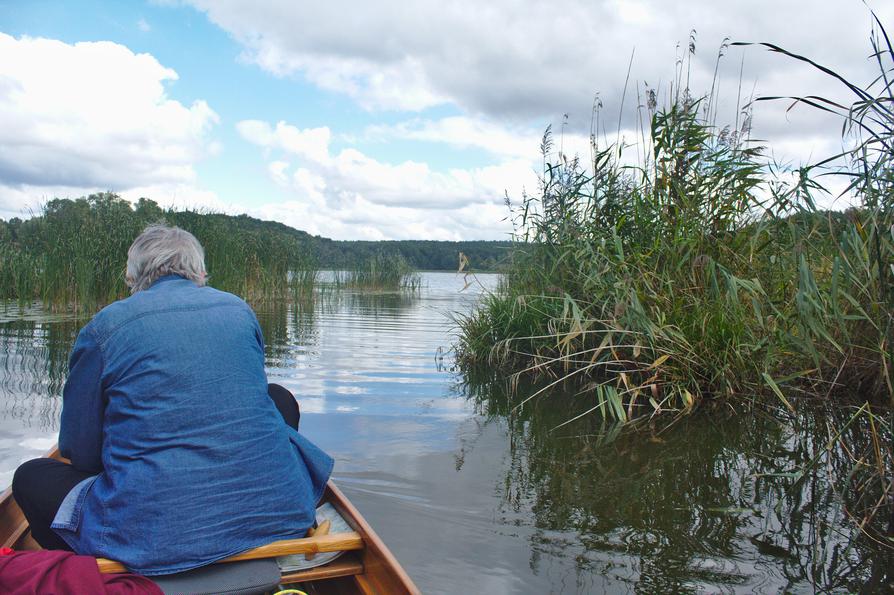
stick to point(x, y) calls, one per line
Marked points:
point(351, 351)
point(34, 348)
point(708, 503)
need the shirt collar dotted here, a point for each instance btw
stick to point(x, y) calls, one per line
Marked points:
point(168, 278)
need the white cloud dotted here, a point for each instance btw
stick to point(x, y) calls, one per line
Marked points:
point(144, 26)
point(350, 174)
point(511, 64)
point(359, 219)
point(349, 195)
point(532, 59)
point(82, 117)
point(312, 143)
point(505, 142)
point(277, 171)
point(465, 132)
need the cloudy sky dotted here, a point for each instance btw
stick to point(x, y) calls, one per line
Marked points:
point(376, 120)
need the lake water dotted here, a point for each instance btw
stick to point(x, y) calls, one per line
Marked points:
point(475, 497)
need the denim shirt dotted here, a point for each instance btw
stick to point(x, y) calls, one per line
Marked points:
point(166, 401)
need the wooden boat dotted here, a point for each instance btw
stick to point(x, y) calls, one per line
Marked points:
point(367, 566)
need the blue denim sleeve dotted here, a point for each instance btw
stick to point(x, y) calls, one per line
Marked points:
point(259, 334)
point(83, 405)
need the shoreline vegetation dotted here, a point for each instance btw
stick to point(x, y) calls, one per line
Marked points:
point(702, 275)
point(379, 272)
point(73, 254)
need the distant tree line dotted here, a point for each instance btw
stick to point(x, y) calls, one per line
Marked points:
point(74, 251)
point(431, 255)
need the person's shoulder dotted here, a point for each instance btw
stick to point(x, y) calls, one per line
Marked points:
point(223, 297)
point(113, 311)
point(113, 314)
point(145, 303)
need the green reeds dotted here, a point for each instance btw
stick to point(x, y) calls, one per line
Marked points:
point(701, 276)
point(698, 274)
point(380, 272)
point(74, 253)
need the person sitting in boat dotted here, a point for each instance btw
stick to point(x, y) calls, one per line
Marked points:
point(181, 453)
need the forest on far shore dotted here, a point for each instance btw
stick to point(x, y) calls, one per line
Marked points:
point(433, 255)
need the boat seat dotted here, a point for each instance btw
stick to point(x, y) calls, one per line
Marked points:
point(249, 577)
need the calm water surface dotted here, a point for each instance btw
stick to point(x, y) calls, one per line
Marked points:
point(474, 497)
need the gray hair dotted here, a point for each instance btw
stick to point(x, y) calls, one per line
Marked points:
point(161, 250)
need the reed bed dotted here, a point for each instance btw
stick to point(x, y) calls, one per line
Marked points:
point(74, 252)
point(705, 275)
point(380, 272)
point(699, 273)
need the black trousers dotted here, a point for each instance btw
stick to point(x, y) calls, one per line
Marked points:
point(40, 485)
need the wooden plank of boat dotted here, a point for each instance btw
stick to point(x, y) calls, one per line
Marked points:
point(369, 567)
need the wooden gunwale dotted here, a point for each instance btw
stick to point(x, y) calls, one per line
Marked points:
point(369, 564)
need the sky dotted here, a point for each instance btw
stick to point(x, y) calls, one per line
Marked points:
point(382, 120)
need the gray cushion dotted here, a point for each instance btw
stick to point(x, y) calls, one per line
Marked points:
point(250, 577)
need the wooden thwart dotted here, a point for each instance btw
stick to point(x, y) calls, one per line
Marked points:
point(347, 565)
point(336, 542)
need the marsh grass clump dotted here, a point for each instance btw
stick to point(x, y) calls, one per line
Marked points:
point(702, 277)
point(698, 274)
point(380, 272)
point(302, 283)
point(74, 252)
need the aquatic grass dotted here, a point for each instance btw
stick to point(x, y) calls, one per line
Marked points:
point(302, 283)
point(380, 272)
point(705, 276)
point(857, 305)
point(849, 307)
point(697, 274)
point(73, 253)
point(624, 275)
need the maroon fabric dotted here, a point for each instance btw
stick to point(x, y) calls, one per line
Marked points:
point(54, 572)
